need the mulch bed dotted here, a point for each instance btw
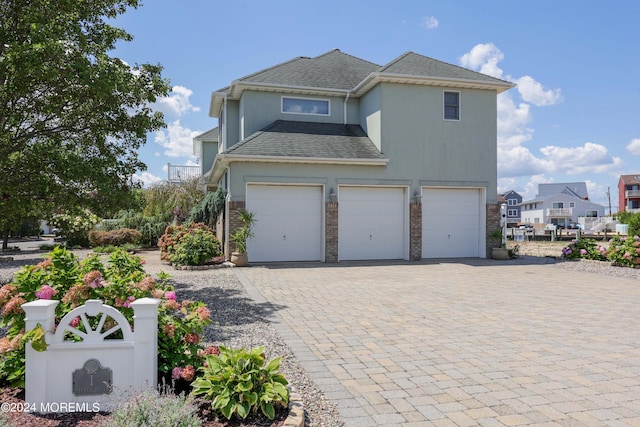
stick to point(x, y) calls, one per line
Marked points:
point(14, 397)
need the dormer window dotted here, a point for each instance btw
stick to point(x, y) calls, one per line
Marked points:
point(319, 107)
point(451, 105)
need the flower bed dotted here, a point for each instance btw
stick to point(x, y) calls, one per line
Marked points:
point(621, 251)
point(123, 280)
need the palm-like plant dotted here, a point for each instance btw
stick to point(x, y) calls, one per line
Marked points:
point(245, 231)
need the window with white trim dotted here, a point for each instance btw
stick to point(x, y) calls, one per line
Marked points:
point(451, 105)
point(313, 106)
point(512, 212)
point(512, 202)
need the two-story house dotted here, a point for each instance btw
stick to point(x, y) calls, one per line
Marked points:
point(560, 204)
point(629, 193)
point(343, 159)
point(513, 199)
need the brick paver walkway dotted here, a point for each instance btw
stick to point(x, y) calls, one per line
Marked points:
point(462, 343)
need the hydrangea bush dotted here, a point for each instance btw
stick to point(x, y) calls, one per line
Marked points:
point(622, 251)
point(118, 283)
point(192, 244)
point(75, 227)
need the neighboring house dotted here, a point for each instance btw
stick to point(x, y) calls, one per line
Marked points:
point(629, 193)
point(513, 200)
point(561, 204)
point(343, 159)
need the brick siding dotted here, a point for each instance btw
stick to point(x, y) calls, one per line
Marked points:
point(415, 231)
point(331, 232)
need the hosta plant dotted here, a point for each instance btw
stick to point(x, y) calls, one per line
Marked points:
point(237, 382)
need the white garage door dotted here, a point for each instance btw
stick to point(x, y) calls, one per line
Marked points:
point(288, 223)
point(450, 223)
point(371, 223)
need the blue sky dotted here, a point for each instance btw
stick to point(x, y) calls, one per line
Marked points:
point(575, 115)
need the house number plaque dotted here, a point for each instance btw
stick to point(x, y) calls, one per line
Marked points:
point(92, 379)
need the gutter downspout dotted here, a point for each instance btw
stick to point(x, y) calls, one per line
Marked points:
point(226, 215)
point(224, 124)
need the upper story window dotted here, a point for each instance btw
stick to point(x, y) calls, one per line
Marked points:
point(512, 202)
point(451, 105)
point(305, 106)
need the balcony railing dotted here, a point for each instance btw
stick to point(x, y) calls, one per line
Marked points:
point(632, 193)
point(180, 173)
point(566, 212)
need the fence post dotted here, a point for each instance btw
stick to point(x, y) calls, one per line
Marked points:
point(42, 312)
point(145, 337)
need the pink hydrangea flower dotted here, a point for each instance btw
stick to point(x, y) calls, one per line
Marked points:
point(583, 251)
point(128, 302)
point(46, 292)
point(170, 295)
point(75, 322)
point(176, 373)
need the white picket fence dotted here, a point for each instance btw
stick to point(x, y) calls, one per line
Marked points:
point(131, 360)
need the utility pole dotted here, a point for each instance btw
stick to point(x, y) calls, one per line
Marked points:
point(609, 197)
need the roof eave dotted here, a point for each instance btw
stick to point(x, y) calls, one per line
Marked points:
point(215, 106)
point(374, 78)
point(237, 87)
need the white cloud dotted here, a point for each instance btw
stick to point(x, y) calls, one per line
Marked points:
point(634, 146)
point(513, 121)
point(532, 91)
point(177, 103)
point(588, 159)
point(146, 178)
point(177, 140)
point(484, 58)
point(430, 22)
point(519, 161)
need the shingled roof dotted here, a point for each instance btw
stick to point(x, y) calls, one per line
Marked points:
point(309, 140)
point(331, 70)
point(412, 64)
point(336, 71)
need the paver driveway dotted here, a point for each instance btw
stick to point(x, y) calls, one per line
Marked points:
point(462, 343)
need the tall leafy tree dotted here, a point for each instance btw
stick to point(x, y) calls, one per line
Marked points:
point(72, 117)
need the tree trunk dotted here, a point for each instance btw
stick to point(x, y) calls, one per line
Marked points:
point(5, 240)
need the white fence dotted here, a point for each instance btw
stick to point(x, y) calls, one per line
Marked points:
point(96, 372)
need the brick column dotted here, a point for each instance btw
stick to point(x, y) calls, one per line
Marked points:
point(331, 232)
point(493, 223)
point(234, 222)
point(415, 231)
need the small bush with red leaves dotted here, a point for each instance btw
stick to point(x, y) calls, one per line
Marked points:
point(118, 237)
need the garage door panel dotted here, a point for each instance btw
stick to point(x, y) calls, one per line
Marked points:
point(450, 223)
point(288, 223)
point(371, 223)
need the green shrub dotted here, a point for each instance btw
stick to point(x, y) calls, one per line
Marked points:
point(624, 251)
point(196, 249)
point(210, 208)
point(74, 227)
point(585, 248)
point(119, 237)
point(150, 408)
point(237, 383)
